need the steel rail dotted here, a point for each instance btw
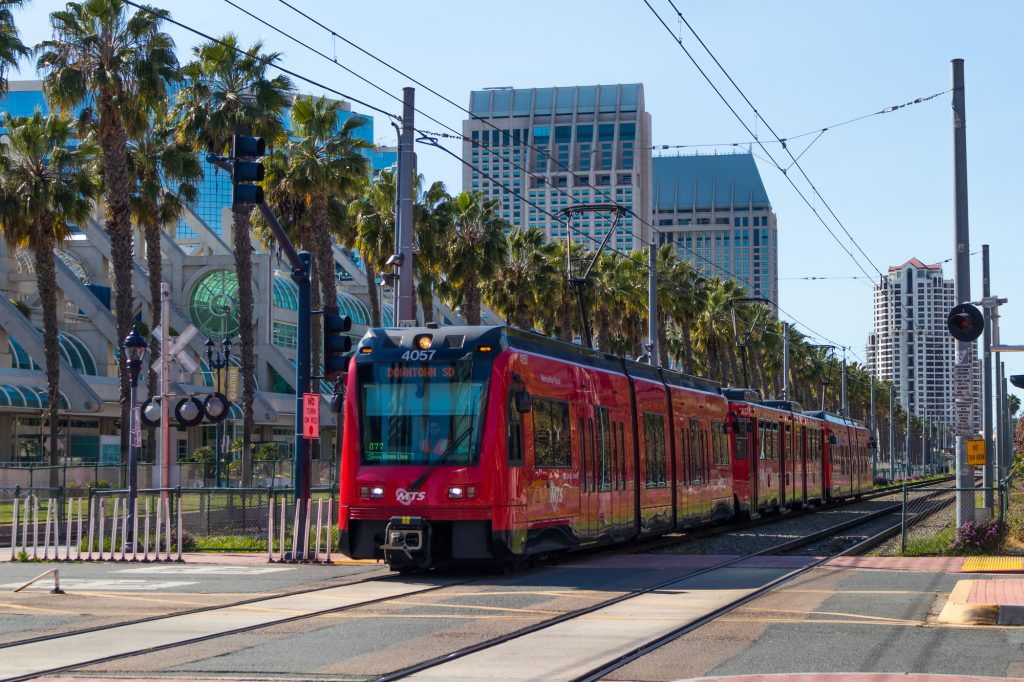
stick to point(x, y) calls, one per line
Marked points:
point(569, 615)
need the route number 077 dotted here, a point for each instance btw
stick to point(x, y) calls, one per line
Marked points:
point(418, 355)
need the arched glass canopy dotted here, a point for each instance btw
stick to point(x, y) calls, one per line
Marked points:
point(213, 305)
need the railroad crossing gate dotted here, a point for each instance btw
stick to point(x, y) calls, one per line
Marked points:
point(976, 452)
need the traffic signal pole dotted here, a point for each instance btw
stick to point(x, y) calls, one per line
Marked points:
point(963, 371)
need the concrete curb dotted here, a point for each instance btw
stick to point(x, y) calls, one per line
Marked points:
point(959, 611)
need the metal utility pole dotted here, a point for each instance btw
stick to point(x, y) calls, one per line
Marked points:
point(986, 381)
point(907, 445)
point(892, 439)
point(654, 358)
point(871, 422)
point(843, 403)
point(785, 362)
point(405, 306)
point(963, 371)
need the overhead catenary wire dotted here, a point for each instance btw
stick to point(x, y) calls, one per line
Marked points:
point(816, 131)
point(774, 134)
point(453, 133)
point(760, 144)
point(316, 83)
point(166, 17)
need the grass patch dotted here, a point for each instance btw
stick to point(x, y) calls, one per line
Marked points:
point(239, 543)
point(934, 545)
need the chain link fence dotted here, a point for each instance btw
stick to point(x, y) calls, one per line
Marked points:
point(928, 520)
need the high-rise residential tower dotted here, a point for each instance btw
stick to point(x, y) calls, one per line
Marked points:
point(716, 212)
point(578, 145)
point(910, 345)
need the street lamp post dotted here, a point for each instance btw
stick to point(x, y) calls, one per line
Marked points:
point(135, 349)
point(216, 363)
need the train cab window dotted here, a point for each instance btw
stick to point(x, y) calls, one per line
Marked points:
point(552, 443)
point(514, 437)
point(654, 450)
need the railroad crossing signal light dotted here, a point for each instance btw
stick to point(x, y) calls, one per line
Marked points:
point(336, 345)
point(245, 172)
point(965, 322)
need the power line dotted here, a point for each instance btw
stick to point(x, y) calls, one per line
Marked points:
point(816, 131)
point(166, 17)
point(752, 134)
point(434, 143)
point(772, 131)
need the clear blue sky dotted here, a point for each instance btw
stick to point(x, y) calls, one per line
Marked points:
point(805, 64)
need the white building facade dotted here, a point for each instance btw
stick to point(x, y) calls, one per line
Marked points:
point(910, 345)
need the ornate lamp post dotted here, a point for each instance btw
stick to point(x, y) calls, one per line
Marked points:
point(135, 347)
point(217, 362)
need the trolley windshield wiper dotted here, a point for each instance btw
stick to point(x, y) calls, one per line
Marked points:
point(440, 460)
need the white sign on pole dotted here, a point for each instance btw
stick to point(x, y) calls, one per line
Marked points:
point(137, 426)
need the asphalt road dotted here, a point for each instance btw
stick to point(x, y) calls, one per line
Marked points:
point(831, 620)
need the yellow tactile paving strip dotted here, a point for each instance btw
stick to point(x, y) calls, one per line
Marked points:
point(989, 564)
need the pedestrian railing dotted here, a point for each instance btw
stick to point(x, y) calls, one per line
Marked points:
point(301, 532)
point(97, 529)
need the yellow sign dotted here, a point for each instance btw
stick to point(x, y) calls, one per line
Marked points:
point(228, 381)
point(976, 452)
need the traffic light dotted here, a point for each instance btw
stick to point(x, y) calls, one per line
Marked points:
point(1017, 380)
point(965, 322)
point(245, 172)
point(336, 344)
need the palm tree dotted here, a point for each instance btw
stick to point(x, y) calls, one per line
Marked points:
point(164, 174)
point(432, 227)
point(324, 163)
point(523, 278)
point(11, 47)
point(46, 184)
point(373, 217)
point(115, 65)
point(476, 248)
point(229, 92)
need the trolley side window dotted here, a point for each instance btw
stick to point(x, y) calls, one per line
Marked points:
point(514, 437)
point(622, 452)
point(584, 456)
point(694, 471)
point(720, 443)
point(741, 432)
point(654, 450)
point(605, 445)
point(552, 443)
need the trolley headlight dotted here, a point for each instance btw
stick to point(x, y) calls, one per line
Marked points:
point(460, 492)
point(375, 492)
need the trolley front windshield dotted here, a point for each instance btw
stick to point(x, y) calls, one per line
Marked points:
point(415, 414)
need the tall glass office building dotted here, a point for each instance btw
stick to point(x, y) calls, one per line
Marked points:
point(559, 147)
point(715, 211)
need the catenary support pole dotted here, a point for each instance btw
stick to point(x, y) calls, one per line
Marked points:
point(962, 294)
point(892, 439)
point(785, 362)
point(843, 403)
point(654, 357)
point(986, 382)
point(405, 310)
point(871, 421)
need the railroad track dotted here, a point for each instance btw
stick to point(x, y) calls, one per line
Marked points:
point(31, 657)
point(491, 656)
